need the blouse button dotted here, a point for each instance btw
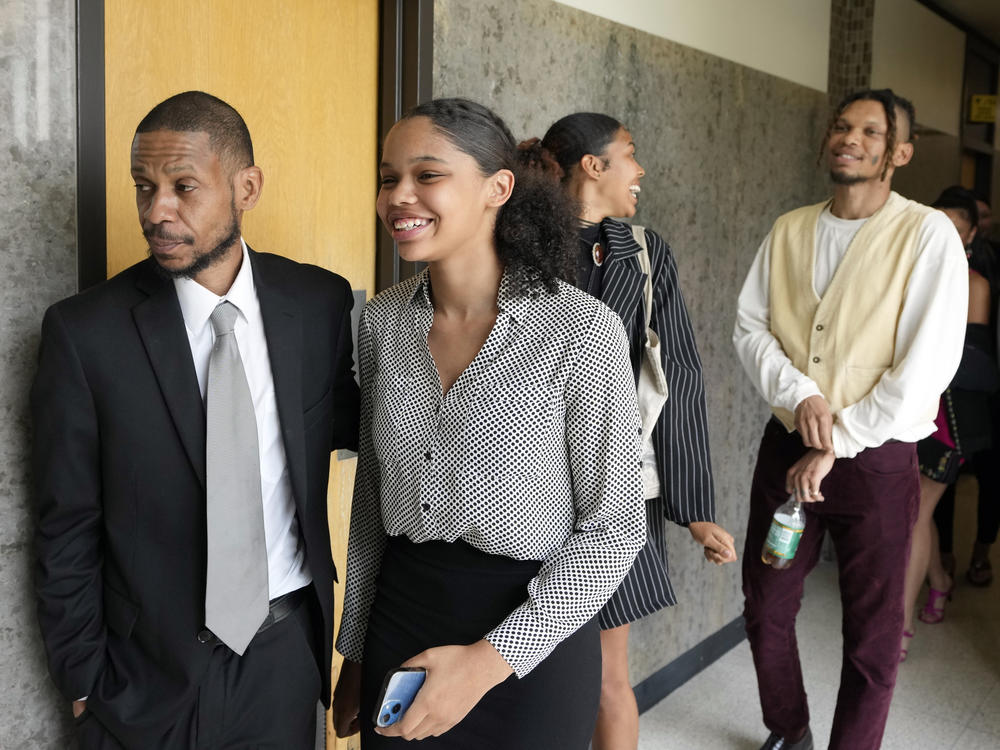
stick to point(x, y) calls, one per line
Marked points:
point(427, 456)
point(425, 506)
point(816, 359)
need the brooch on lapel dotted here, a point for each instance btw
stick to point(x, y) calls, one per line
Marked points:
point(597, 252)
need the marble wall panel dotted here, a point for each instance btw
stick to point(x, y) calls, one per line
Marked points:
point(851, 26)
point(37, 267)
point(726, 149)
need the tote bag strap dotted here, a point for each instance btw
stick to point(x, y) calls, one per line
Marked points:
point(639, 234)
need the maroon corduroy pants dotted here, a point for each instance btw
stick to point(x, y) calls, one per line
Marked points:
point(870, 508)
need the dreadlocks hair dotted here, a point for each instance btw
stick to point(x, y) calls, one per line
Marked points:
point(892, 103)
point(535, 231)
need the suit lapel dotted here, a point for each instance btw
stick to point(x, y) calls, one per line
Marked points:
point(161, 327)
point(623, 283)
point(282, 316)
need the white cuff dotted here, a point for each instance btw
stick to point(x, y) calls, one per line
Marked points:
point(844, 446)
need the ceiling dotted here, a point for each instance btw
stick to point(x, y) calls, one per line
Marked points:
point(981, 15)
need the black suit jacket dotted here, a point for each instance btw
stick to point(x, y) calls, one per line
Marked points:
point(119, 463)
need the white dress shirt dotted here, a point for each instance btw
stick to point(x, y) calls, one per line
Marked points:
point(927, 350)
point(286, 566)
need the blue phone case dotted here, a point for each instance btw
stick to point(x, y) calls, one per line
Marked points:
point(398, 691)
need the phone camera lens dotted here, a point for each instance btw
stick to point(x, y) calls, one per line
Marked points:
point(396, 707)
point(385, 718)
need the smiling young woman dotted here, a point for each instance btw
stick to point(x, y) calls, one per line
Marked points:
point(592, 157)
point(498, 499)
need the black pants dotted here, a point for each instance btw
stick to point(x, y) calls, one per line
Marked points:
point(438, 594)
point(986, 466)
point(263, 700)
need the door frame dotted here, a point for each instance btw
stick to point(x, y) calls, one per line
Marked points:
point(91, 179)
point(406, 67)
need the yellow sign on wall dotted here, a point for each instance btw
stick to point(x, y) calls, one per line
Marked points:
point(983, 108)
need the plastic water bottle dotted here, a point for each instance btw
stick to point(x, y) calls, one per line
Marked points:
point(783, 537)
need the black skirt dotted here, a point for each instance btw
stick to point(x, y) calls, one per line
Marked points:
point(439, 594)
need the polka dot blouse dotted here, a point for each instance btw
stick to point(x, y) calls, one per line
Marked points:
point(533, 454)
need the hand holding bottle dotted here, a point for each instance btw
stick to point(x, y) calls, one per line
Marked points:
point(804, 478)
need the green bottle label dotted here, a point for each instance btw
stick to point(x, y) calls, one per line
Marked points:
point(782, 541)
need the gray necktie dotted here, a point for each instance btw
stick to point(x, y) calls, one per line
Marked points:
point(236, 593)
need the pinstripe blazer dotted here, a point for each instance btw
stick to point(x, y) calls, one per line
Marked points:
point(680, 437)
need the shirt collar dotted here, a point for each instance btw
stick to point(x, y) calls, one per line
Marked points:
point(515, 306)
point(421, 296)
point(197, 302)
point(618, 241)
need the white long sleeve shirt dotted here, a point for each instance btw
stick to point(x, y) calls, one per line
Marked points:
point(928, 343)
point(286, 565)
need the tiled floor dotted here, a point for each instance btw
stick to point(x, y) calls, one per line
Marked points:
point(947, 694)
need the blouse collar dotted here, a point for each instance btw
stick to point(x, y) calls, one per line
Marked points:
point(513, 305)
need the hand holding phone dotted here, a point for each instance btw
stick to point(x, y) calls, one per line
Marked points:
point(457, 679)
point(398, 691)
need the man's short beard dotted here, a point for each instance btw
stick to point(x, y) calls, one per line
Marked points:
point(846, 179)
point(205, 260)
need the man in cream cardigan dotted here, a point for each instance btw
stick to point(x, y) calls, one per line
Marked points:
point(851, 323)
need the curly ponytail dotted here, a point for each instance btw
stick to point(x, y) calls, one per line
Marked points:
point(535, 231)
point(534, 155)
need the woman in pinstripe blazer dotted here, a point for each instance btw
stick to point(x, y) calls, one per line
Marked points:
point(594, 158)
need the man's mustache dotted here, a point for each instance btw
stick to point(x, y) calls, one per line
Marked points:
point(157, 233)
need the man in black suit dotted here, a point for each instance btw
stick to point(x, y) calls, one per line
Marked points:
point(125, 492)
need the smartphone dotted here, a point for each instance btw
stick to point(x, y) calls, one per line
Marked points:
point(399, 688)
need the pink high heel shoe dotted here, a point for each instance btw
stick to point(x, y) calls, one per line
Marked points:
point(904, 647)
point(933, 614)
